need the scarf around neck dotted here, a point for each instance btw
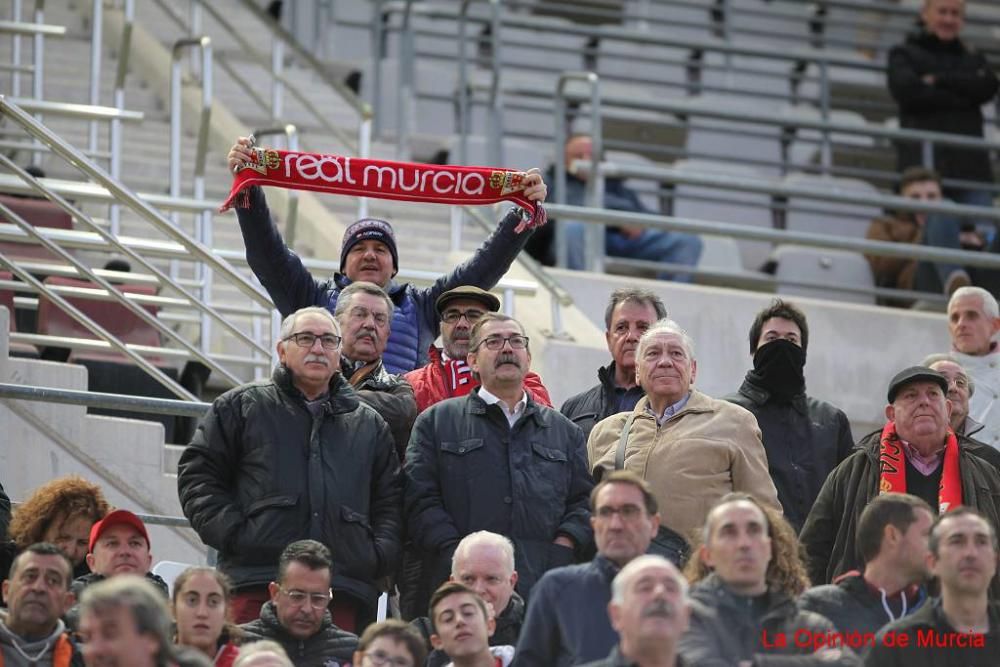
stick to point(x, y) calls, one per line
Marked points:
point(892, 468)
point(382, 179)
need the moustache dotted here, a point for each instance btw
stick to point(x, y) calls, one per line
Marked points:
point(507, 358)
point(661, 608)
point(316, 358)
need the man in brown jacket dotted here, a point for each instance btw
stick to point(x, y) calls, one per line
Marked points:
point(691, 448)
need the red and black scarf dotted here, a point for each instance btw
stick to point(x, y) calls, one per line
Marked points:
point(892, 468)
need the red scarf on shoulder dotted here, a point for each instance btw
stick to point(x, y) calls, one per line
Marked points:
point(892, 468)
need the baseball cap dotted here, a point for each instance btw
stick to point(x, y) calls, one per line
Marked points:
point(116, 518)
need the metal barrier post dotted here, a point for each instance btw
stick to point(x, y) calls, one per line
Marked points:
point(406, 73)
point(15, 51)
point(826, 149)
point(277, 87)
point(364, 151)
point(378, 36)
point(114, 211)
point(496, 94)
point(96, 44)
point(291, 134)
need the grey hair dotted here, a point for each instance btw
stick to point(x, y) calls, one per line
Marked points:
point(145, 605)
point(621, 580)
point(262, 647)
point(485, 538)
point(360, 287)
point(288, 324)
point(665, 326)
point(635, 295)
point(990, 307)
point(932, 359)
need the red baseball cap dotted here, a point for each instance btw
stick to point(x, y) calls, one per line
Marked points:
point(118, 517)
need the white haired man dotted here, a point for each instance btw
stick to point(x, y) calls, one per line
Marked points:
point(973, 322)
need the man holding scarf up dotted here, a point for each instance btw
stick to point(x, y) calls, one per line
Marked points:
point(916, 452)
point(805, 438)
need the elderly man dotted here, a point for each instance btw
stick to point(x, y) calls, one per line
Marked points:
point(691, 448)
point(364, 313)
point(649, 610)
point(369, 253)
point(973, 321)
point(566, 622)
point(892, 540)
point(496, 460)
point(448, 374)
point(630, 311)
point(960, 389)
point(805, 438)
point(745, 580)
point(294, 457)
point(296, 616)
point(916, 453)
point(962, 627)
point(37, 595)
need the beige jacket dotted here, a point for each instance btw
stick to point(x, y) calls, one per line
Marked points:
point(703, 452)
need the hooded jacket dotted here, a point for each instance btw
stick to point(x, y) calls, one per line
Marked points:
point(56, 650)
point(329, 647)
point(415, 320)
point(261, 472)
point(852, 605)
point(929, 622)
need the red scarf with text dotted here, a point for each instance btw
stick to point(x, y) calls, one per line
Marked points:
point(382, 179)
point(892, 468)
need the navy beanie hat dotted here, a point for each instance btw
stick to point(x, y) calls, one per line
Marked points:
point(369, 229)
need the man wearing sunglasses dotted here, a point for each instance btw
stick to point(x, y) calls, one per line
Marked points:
point(497, 460)
point(297, 456)
point(296, 616)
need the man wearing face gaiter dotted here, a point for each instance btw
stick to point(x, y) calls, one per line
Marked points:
point(805, 438)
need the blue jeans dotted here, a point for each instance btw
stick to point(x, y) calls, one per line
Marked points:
point(652, 245)
point(940, 231)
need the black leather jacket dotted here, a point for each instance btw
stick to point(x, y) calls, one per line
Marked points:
point(600, 401)
point(391, 396)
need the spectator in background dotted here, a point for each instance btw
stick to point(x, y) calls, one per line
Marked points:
point(4, 513)
point(369, 253)
point(390, 643)
point(963, 547)
point(299, 455)
point(37, 593)
point(496, 460)
point(264, 653)
point(125, 621)
point(567, 622)
point(296, 616)
point(630, 312)
point(691, 448)
point(462, 628)
point(973, 322)
point(940, 85)
point(119, 545)
point(448, 374)
point(805, 438)
point(650, 610)
point(364, 312)
point(200, 607)
point(746, 577)
point(916, 453)
point(892, 541)
point(633, 242)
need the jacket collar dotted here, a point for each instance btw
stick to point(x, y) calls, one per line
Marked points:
point(760, 395)
point(697, 403)
point(713, 592)
point(340, 399)
point(396, 291)
point(269, 619)
point(972, 427)
point(477, 406)
point(606, 567)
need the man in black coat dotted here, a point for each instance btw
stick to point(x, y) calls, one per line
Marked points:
point(805, 438)
point(630, 311)
point(297, 456)
point(496, 460)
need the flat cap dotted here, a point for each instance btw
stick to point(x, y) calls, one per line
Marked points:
point(491, 301)
point(916, 374)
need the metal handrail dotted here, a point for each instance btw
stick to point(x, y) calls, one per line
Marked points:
point(95, 399)
point(124, 50)
point(93, 192)
point(71, 110)
point(24, 28)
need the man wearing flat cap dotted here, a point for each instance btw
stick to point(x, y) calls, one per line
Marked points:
point(916, 452)
point(448, 374)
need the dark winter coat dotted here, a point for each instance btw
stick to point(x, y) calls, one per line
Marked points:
point(4, 515)
point(415, 320)
point(329, 644)
point(72, 616)
point(804, 440)
point(390, 395)
point(261, 473)
point(468, 470)
point(600, 401)
point(963, 82)
point(616, 659)
point(828, 536)
point(852, 605)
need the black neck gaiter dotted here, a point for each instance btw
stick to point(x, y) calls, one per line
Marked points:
point(779, 366)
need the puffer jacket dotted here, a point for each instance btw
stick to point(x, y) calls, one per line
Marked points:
point(468, 470)
point(72, 616)
point(804, 440)
point(706, 450)
point(828, 536)
point(261, 473)
point(931, 623)
point(329, 647)
point(852, 606)
point(725, 631)
point(415, 320)
point(390, 395)
point(963, 83)
point(430, 386)
point(597, 403)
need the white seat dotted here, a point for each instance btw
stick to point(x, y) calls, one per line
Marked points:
point(169, 570)
point(822, 217)
point(825, 270)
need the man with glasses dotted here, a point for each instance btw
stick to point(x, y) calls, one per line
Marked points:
point(448, 374)
point(296, 456)
point(296, 616)
point(497, 460)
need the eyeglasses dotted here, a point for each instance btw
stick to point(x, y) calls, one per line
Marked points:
point(626, 512)
point(381, 658)
point(307, 340)
point(517, 342)
point(361, 314)
point(452, 316)
point(316, 600)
